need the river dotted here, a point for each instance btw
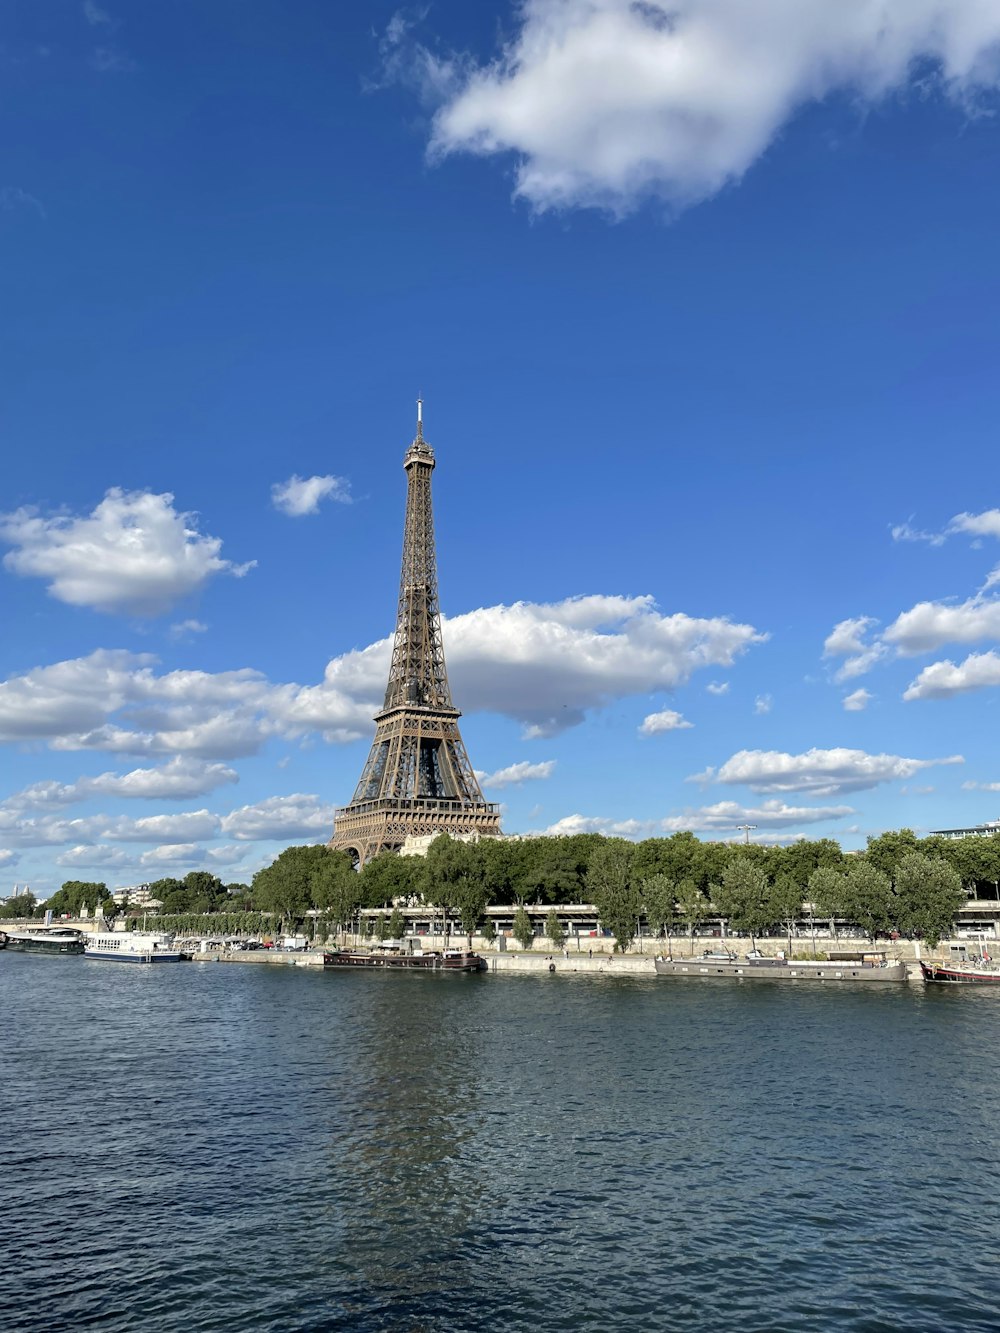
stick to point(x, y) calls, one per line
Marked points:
point(214, 1147)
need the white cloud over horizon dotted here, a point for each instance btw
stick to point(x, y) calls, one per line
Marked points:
point(604, 103)
point(134, 555)
point(819, 772)
point(723, 816)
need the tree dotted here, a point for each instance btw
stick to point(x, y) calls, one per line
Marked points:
point(468, 898)
point(869, 900)
point(455, 881)
point(335, 887)
point(284, 888)
point(692, 904)
point(614, 891)
point(786, 900)
point(929, 893)
point(554, 929)
point(76, 894)
point(397, 925)
point(887, 850)
point(745, 897)
point(489, 930)
point(21, 905)
point(826, 890)
point(659, 897)
point(524, 931)
point(389, 876)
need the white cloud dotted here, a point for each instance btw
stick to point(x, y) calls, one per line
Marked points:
point(173, 854)
point(297, 816)
point(178, 780)
point(301, 495)
point(763, 704)
point(547, 665)
point(230, 854)
point(820, 772)
point(9, 857)
point(981, 786)
point(186, 628)
point(986, 524)
point(544, 665)
point(856, 702)
point(571, 825)
point(187, 827)
point(514, 774)
point(769, 814)
point(605, 102)
point(903, 532)
point(112, 857)
point(848, 639)
point(134, 555)
point(930, 625)
point(717, 687)
point(941, 680)
point(667, 720)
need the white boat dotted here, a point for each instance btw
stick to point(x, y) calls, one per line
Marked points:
point(133, 946)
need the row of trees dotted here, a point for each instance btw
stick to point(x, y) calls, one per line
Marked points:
point(898, 883)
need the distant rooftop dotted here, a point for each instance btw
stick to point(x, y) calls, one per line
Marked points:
point(990, 829)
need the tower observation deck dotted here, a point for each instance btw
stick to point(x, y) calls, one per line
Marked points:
point(417, 778)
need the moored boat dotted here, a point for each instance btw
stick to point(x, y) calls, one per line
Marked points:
point(58, 940)
point(449, 960)
point(973, 971)
point(873, 966)
point(133, 946)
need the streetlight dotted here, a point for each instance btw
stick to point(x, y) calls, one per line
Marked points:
point(745, 829)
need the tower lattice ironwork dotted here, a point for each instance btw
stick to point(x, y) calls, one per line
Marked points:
point(417, 779)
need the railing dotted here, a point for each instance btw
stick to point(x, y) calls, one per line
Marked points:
point(419, 805)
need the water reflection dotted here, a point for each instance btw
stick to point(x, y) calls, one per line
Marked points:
point(401, 1172)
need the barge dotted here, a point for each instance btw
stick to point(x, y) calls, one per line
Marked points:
point(449, 960)
point(873, 966)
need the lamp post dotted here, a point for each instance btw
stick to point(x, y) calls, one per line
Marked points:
point(745, 830)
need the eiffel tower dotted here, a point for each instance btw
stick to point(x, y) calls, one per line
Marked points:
point(417, 779)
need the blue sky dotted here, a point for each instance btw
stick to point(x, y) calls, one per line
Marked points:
point(704, 312)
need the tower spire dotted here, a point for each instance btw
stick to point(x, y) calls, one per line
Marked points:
point(417, 778)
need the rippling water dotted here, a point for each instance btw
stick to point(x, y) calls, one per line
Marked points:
point(221, 1147)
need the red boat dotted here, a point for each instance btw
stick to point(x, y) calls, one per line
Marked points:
point(975, 972)
point(451, 960)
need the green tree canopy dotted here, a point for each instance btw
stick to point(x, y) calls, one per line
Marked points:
point(826, 891)
point(20, 906)
point(524, 931)
point(554, 929)
point(868, 899)
point(335, 887)
point(929, 893)
point(887, 850)
point(659, 897)
point(614, 890)
point(692, 905)
point(746, 897)
point(285, 886)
